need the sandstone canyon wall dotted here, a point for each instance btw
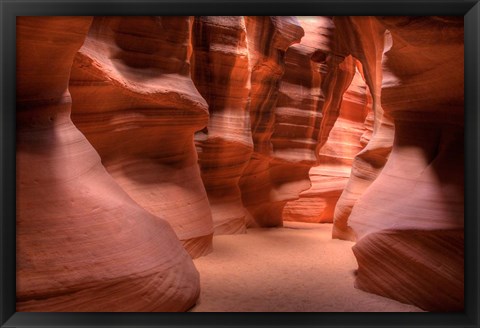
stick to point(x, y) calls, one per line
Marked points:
point(298, 113)
point(368, 48)
point(409, 221)
point(188, 126)
point(264, 188)
point(222, 74)
point(341, 127)
point(350, 133)
point(82, 243)
point(292, 122)
point(134, 100)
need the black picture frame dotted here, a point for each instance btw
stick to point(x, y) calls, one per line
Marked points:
point(9, 9)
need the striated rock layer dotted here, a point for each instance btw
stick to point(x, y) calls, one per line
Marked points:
point(414, 266)
point(347, 137)
point(424, 173)
point(298, 112)
point(82, 243)
point(221, 73)
point(419, 193)
point(134, 100)
point(265, 187)
point(101, 208)
point(304, 111)
point(368, 47)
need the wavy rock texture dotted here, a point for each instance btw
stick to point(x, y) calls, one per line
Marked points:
point(82, 243)
point(298, 113)
point(265, 187)
point(414, 266)
point(421, 186)
point(221, 73)
point(366, 40)
point(347, 137)
point(135, 102)
point(100, 214)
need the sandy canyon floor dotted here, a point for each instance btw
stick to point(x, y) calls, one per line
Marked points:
point(297, 268)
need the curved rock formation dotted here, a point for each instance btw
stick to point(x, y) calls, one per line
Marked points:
point(82, 243)
point(347, 137)
point(221, 73)
point(419, 267)
point(364, 38)
point(276, 96)
point(422, 90)
point(298, 113)
point(421, 186)
point(134, 100)
point(265, 189)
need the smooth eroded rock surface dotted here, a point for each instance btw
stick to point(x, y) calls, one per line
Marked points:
point(82, 243)
point(347, 137)
point(264, 186)
point(366, 40)
point(179, 128)
point(414, 266)
point(134, 100)
point(222, 74)
point(420, 189)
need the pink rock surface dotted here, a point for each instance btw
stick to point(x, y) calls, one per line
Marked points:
point(134, 100)
point(424, 173)
point(298, 112)
point(307, 105)
point(420, 189)
point(364, 38)
point(221, 73)
point(264, 186)
point(189, 126)
point(330, 176)
point(414, 266)
point(82, 243)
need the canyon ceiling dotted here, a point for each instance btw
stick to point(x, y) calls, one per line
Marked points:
point(140, 138)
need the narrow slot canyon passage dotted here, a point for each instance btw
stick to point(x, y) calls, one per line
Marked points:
point(296, 268)
point(240, 163)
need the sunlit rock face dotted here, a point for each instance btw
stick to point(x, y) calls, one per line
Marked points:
point(423, 91)
point(82, 243)
point(364, 38)
point(289, 131)
point(347, 137)
point(420, 189)
point(136, 103)
point(265, 187)
point(298, 112)
point(221, 73)
point(186, 127)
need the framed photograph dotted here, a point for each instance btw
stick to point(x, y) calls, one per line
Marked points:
point(223, 163)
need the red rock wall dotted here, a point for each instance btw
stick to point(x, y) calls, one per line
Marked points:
point(280, 108)
point(342, 128)
point(424, 95)
point(134, 100)
point(221, 73)
point(364, 38)
point(420, 267)
point(263, 183)
point(298, 112)
point(279, 87)
point(289, 131)
point(420, 188)
point(347, 137)
point(82, 243)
